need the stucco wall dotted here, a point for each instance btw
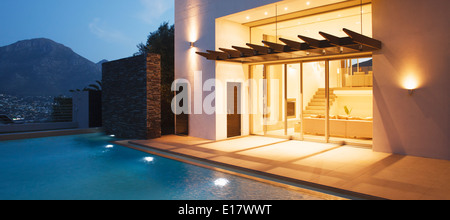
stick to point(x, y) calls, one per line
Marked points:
point(415, 36)
point(195, 21)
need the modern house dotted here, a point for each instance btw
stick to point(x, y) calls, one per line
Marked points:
point(366, 72)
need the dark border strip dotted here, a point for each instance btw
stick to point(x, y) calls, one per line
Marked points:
point(41, 134)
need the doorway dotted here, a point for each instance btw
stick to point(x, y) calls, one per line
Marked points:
point(182, 119)
point(234, 110)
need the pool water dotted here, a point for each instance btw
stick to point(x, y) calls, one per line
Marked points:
point(89, 167)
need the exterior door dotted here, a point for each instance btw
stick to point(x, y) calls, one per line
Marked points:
point(182, 120)
point(234, 110)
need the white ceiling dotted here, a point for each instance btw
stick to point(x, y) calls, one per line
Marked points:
point(279, 8)
point(330, 22)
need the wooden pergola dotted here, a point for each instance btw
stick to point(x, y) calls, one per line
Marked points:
point(332, 45)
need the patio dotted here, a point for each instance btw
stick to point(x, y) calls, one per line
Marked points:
point(356, 171)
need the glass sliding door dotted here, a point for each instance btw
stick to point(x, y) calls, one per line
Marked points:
point(257, 99)
point(314, 101)
point(351, 100)
point(274, 115)
point(294, 100)
point(330, 100)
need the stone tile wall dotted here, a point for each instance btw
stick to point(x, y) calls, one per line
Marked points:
point(131, 99)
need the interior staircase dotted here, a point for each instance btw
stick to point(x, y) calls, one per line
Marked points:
point(317, 105)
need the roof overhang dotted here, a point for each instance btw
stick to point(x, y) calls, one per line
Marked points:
point(309, 48)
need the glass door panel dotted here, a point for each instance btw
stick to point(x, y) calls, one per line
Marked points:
point(314, 101)
point(351, 100)
point(274, 115)
point(257, 99)
point(294, 100)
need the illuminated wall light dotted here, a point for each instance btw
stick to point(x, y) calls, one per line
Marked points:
point(109, 146)
point(191, 44)
point(410, 83)
point(248, 17)
point(308, 3)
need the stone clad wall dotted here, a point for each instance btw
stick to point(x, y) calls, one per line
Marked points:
point(132, 97)
point(153, 96)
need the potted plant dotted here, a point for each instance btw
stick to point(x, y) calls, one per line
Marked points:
point(348, 112)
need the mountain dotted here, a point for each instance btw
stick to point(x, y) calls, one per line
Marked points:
point(99, 64)
point(43, 67)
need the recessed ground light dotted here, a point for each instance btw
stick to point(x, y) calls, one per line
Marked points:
point(149, 159)
point(221, 182)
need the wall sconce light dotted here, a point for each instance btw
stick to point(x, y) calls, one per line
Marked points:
point(191, 44)
point(410, 84)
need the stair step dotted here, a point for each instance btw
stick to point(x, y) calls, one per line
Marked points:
point(314, 112)
point(317, 104)
point(316, 107)
point(323, 96)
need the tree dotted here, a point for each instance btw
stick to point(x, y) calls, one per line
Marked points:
point(162, 42)
point(92, 87)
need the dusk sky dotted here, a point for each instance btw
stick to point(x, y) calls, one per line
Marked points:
point(95, 29)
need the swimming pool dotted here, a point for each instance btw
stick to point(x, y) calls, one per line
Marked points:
point(89, 167)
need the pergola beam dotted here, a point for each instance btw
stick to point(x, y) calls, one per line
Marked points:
point(294, 45)
point(332, 45)
point(261, 49)
point(278, 47)
point(315, 43)
point(246, 51)
point(232, 53)
point(219, 55)
point(364, 40)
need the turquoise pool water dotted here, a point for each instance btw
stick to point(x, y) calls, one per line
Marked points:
point(88, 167)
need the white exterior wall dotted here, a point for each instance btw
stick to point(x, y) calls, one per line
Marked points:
point(195, 21)
point(415, 38)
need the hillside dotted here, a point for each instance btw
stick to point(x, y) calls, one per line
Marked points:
point(41, 67)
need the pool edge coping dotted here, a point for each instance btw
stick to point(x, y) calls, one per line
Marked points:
point(313, 189)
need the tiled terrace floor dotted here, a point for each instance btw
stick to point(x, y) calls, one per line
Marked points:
point(331, 166)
